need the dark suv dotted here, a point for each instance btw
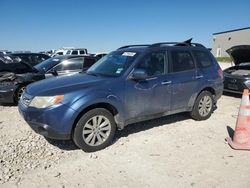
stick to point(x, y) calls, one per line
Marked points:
point(131, 84)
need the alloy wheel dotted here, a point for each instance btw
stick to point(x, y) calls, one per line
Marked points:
point(96, 130)
point(205, 105)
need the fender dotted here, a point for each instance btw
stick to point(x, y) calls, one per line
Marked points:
point(100, 97)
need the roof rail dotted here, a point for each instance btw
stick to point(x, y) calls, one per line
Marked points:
point(139, 45)
point(184, 43)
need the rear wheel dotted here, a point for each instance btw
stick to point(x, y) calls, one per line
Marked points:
point(203, 106)
point(95, 130)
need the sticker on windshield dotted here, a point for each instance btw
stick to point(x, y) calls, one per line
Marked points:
point(130, 54)
point(119, 70)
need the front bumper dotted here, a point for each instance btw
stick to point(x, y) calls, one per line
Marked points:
point(7, 94)
point(54, 122)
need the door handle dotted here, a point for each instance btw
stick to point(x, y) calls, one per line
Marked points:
point(199, 76)
point(166, 82)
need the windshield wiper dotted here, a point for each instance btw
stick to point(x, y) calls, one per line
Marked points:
point(92, 73)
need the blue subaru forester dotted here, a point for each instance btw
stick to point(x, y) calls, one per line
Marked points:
point(132, 84)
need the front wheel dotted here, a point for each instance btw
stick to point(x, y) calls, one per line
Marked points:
point(95, 130)
point(19, 93)
point(203, 106)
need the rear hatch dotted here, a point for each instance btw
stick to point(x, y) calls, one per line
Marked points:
point(236, 76)
point(240, 54)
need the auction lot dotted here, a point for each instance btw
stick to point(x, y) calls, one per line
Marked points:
point(174, 151)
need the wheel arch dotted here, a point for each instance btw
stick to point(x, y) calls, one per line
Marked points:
point(195, 96)
point(105, 105)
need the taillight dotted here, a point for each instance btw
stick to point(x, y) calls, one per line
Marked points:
point(220, 72)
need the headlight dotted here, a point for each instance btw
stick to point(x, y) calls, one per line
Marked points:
point(44, 102)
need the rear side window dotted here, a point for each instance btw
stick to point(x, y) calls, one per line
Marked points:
point(69, 65)
point(82, 52)
point(203, 59)
point(182, 61)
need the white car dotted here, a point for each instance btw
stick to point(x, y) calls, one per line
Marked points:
point(77, 51)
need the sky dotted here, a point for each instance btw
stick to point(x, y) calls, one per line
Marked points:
point(103, 26)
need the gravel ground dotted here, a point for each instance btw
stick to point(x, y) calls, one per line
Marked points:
point(173, 151)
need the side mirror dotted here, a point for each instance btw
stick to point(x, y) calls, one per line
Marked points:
point(139, 74)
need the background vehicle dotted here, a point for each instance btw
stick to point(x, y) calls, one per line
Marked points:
point(12, 89)
point(70, 51)
point(31, 58)
point(77, 51)
point(131, 84)
point(237, 78)
point(61, 51)
point(9, 63)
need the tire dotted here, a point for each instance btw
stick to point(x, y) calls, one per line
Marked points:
point(203, 106)
point(18, 93)
point(95, 130)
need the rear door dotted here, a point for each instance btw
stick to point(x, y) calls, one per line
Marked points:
point(183, 78)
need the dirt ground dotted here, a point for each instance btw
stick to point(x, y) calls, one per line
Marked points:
point(174, 151)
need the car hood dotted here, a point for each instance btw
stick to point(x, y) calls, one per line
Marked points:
point(63, 84)
point(239, 54)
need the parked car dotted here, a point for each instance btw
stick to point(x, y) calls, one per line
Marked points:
point(77, 51)
point(70, 51)
point(60, 51)
point(237, 78)
point(12, 89)
point(9, 63)
point(31, 58)
point(131, 84)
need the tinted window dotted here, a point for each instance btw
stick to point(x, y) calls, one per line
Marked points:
point(88, 62)
point(82, 52)
point(203, 59)
point(74, 52)
point(153, 63)
point(71, 64)
point(182, 61)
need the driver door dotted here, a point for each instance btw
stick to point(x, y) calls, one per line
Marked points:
point(152, 95)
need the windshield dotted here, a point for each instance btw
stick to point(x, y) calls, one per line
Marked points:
point(47, 64)
point(113, 64)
